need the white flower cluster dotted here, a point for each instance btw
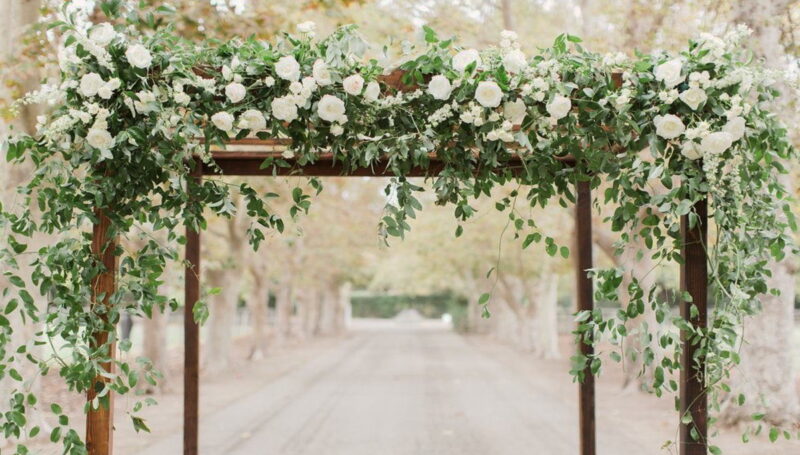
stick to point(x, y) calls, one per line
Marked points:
point(514, 60)
point(503, 133)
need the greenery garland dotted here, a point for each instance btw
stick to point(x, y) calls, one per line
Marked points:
point(130, 108)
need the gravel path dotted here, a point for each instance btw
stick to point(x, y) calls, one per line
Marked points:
point(394, 388)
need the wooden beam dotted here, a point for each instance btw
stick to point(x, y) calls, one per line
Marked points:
point(583, 244)
point(191, 336)
point(248, 163)
point(100, 421)
point(694, 280)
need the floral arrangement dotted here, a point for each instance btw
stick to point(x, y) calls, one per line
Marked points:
point(656, 133)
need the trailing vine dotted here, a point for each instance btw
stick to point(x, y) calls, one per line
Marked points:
point(653, 134)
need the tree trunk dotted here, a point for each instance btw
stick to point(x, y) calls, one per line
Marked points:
point(222, 309)
point(545, 332)
point(257, 305)
point(283, 314)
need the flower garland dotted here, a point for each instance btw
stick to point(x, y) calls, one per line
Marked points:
point(673, 130)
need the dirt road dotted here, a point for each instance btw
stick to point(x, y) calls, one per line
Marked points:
point(402, 388)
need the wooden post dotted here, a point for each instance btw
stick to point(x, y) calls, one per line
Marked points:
point(191, 335)
point(100, 421)
point(583, 246)
point(694, 280)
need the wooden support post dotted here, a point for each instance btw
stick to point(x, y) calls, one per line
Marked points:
point(100, 421)
point(191, 336)
point(583, 246)
point(694, 280)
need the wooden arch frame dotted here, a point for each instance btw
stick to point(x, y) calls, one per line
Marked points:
point(244, 158)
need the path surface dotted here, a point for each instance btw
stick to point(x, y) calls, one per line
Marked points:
point(399, 388)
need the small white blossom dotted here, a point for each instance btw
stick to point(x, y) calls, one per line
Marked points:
point(337, 129)
point(306, 28)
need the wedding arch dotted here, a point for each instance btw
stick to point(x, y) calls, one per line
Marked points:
point(677, 143)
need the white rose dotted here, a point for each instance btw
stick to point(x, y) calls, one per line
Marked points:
point(269, 81)
point(102, 34)
point(693, 97)
point(321, 73)
point(669, 72)
point(306, 27)
point(373, 91)
point(691, 150)
point(91, 83)
point(252, 119)
point(235, 92)
point(353, 84)
point(330, 108)
point(463, 59)
point(223, 121)
point(735, 127)
point(287, 68)
point(716, 143)
point(515, 111)
point(182, 98)
point(99, 138)
point(668, 126)
point(440, 87)
point(139, 56)
point(559, 107)
point(514, 61)
point(337, 130)
point(488, 94)
point(284, 108)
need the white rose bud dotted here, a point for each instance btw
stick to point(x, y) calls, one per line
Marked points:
point(306, 27)
point(287, 68)
point(693, 97)
point(716, 143)
point(668, 126)
point(235, 92)
point(373, 91)
point(488, 94)
point(252, 119)
point(90, 84)
point(102, 34)
point(735, 127)
point(440, 87)
point(559, 107)
point(337, 130)
point(669, 72)
point(464, 58)
point(353, 84)
point(138, 56)
point(331, 109)
point(223, 121)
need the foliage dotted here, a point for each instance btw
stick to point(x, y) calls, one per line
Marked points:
point(131, 108)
